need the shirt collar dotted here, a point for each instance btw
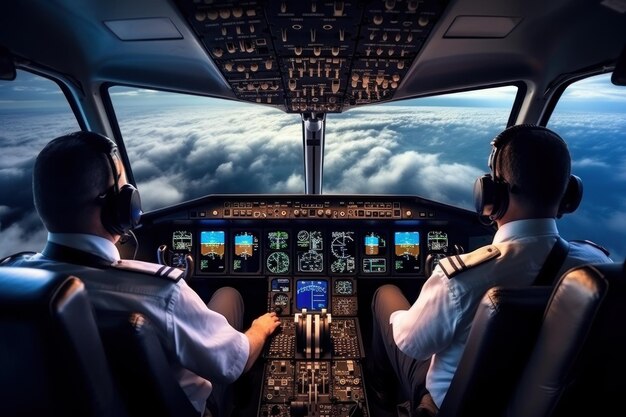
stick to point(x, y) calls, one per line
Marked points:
point(524, 228)
point(93, 244)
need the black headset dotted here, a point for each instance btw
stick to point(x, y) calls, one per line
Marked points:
point(491, 191)
point(121, 207)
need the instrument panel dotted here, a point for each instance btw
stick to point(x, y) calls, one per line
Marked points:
point(312, 235)
point(308, 257)
point(282, 250)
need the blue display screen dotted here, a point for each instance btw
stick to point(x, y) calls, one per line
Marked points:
point(311, 294)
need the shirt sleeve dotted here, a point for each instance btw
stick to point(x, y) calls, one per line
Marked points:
point(429, 324)
point(205, 342)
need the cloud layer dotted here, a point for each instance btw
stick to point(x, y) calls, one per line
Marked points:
point(433, 152)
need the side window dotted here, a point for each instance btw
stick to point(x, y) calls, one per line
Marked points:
point(591, 117)
point(33, 110)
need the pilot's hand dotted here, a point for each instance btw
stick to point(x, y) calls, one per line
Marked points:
point(266, 324)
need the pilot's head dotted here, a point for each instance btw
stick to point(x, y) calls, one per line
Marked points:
point(530, 174)
point(80, 186)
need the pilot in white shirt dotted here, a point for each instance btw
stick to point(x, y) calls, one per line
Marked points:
point(529, 186)
point(82, 195)
point(207, 347)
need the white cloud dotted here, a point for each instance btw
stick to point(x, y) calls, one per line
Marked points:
point(16, 238)
point(589, 162)
point(158, 193)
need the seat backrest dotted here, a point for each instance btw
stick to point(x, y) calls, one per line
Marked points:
point(51, 357)
point(137, 359)
point(578, 364)
point(499, 343)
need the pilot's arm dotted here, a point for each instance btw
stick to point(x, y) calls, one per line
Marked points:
point(429, 324)
point(205, 342)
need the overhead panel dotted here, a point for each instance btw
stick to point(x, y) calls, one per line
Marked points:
point(313, 56)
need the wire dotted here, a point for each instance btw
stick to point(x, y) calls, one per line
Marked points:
point(130, 232)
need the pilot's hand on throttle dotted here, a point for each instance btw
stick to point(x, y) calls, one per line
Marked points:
point(266, 324)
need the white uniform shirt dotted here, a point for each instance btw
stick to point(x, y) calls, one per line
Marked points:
point(436, 326)
point(207, 348)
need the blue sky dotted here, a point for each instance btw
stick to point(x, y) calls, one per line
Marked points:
point(434, 150)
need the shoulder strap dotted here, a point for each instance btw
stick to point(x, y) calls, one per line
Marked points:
point(455, 264)
point(552, 264)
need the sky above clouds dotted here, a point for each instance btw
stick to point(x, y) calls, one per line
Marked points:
point(435, 151)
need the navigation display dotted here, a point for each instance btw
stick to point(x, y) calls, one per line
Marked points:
point(406, 252)
point(182, 240)
point(310, 251)
point(343, 252)
point(278, 248)
point(437, 240)
point(311, 294)
point(212, 251)
point(246, 257)
point(374, 253)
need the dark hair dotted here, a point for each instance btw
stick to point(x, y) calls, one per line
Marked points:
point(536, 163)
point(69, 175)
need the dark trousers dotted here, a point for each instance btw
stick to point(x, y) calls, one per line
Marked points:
point(408, 372)
point(228, 302)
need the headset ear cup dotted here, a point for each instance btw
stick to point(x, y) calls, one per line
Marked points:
point(490, 198)
point(484, 189)
point(572, 196)
point(128, 208)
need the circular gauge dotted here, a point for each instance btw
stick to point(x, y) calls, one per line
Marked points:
point(281, 300)
point(303, 235)
point(339, 266)
point(342, 245)
point(278, 262)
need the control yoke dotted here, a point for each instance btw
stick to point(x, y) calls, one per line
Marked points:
point(163, 254)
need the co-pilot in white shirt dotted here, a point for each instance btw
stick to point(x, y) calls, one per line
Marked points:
point(436, 326)
point(208, 349)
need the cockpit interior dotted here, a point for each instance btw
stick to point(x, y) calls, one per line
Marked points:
point(307, 152)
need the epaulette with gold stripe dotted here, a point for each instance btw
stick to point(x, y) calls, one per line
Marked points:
point(161, 271)
point(455, 264)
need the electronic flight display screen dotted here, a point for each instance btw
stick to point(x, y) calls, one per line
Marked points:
point(343, 246)
point(406, 255)
point(277, 250)
point(374, 252)
point(311, 294)
point(246, 256)
point(212, 251)
point(310, 251)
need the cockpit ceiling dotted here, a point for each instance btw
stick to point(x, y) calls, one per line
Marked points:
point(313, 56)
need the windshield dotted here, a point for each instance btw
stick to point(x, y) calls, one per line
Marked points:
point(182, 147)
point(431, 147)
